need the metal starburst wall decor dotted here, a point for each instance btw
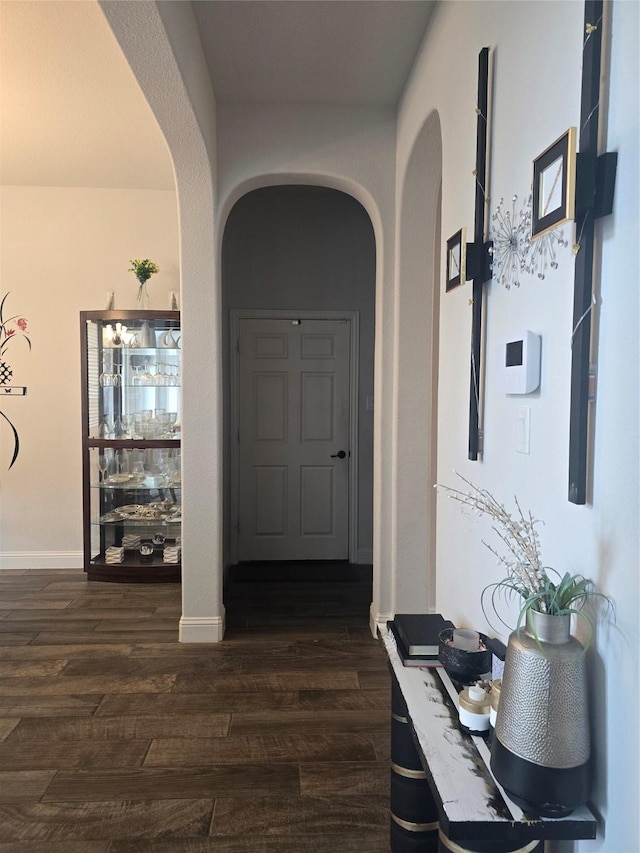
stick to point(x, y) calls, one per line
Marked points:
point(514, 252)
point(543, 253)
point(511, 235)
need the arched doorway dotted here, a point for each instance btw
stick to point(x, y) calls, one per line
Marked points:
point(294, 251)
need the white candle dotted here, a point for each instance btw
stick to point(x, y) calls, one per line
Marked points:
point(465, 638)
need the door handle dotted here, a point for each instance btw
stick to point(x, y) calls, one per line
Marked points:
point(339, 455)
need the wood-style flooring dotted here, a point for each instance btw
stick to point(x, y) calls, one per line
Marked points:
point(115, 737)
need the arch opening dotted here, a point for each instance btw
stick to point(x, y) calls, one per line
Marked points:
point(290, 249)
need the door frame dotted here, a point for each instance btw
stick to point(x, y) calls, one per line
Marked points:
point(351, 317)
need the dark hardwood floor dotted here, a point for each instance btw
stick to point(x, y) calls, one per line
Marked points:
point(114, 737)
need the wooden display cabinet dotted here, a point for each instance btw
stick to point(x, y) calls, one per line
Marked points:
point(131, 414)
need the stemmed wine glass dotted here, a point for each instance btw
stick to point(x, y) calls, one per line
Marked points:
point(147, 377)
point(122, 462)
point(126, 421)
point(173, 378)
point(106, 377)
point(106, 426)
point(103, 465)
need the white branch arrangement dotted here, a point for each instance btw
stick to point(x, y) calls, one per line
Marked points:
point(526, 576)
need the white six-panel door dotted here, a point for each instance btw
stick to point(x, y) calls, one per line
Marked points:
point(293, 416)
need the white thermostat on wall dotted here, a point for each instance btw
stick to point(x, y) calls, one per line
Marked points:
point(520, 361)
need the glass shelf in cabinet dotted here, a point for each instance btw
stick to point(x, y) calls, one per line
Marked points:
point(125, 516)
point(134, 443)
point(150, 484)
point(152, 385)
point(115, 519)
point(132, 560)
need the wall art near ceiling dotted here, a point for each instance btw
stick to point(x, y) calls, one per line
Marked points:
point(554, 184)
point(514, 252)
point(11, 329)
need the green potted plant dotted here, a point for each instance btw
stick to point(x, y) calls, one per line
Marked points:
point(143, 270)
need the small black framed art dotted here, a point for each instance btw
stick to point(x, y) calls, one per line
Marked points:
point(456, 259)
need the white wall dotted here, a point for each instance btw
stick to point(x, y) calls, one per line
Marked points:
point(62, 250)
point(537, 52)
point(416, 343)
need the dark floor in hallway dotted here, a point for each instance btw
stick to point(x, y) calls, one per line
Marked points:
point(114, 737)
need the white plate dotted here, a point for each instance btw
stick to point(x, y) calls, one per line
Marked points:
point(110, 516)
point(129, 509)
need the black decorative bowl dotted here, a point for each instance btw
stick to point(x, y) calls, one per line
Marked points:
point(463, 667)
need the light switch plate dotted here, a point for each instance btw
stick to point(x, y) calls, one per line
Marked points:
point(523, 429)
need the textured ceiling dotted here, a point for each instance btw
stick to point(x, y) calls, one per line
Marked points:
point(72, 114)
point(321, 51)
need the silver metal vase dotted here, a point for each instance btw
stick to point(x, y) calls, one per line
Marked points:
point(541, 749)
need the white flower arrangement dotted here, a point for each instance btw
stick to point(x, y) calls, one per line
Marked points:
point(526, 577)
point(522, 560)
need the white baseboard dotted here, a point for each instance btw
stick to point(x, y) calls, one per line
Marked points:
point(201, 629)
point(41, 560)
point(376, 618)
point(365, 556)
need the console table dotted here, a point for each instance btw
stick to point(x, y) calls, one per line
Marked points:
point(443, 794)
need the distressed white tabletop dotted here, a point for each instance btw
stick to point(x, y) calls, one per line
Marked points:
point(458, 765)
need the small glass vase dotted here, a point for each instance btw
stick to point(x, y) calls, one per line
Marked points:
point(143, 296)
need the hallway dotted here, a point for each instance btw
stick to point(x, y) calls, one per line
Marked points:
point(114, 737)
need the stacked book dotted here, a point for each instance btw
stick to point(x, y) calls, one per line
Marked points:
point(171, 554)
point(113, 554)
point(131, 542)
point(417, 637)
